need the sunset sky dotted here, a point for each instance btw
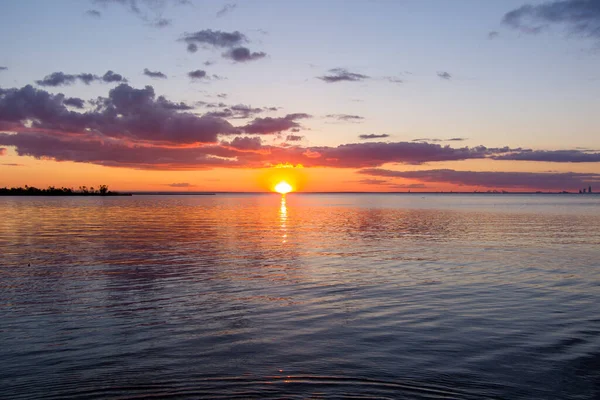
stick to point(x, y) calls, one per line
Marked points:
point(376, 95)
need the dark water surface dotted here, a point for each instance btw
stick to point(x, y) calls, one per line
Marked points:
point(321, 296)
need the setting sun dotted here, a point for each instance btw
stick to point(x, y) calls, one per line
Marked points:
point(283, 187)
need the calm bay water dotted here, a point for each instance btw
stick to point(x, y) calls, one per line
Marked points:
point(316, 296)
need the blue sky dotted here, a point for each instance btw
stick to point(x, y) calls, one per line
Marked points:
point(504, 86)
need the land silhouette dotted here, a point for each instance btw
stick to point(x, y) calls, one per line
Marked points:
point(102, 190)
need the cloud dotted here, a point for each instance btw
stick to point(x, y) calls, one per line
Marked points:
point(3, 68)
point(130, 114)
point(345, 117)
point(57, 79)
point(213, 38)
point(227, 8)
point(341, 74)
point(62, 79)
point(373, 136)
point(245, 143)
point(169, 105)
point(243, 54)
point(93, 13)
point(456, 139)
point(161, 22)
point(110, 76)
point(180, 185)
point(393, 79)
point(293, 138)
point(559, 156)
point(498, 180)
point(492, 35)
point(581, 17)
point(237, 111)
point(3, 151)
point(154, 74)
point(444, 75)
point(197, 74)
point(74, 102)
point(12, 165)
point(149, 11)
point(268, 125)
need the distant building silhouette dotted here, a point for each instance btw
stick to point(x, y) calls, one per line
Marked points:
point(579, 191)
point(584, 190)
point(590, 189)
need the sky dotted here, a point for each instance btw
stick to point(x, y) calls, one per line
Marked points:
point(374, 95)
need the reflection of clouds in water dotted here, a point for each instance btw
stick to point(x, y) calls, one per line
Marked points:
point(283, 219)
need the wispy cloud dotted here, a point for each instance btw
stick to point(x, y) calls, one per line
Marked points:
point(154, 74)
point(444, 75)
point(341, 75)
point(62, 79)
point(494, 179)
point(581, 17)
point(243, 54)
point(227, 8)
point(374, 136)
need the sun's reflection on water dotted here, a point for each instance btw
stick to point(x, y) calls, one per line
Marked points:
point(283, 219)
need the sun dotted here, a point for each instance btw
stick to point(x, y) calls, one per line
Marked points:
point(283, 187)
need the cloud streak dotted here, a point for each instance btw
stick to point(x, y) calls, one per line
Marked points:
point(494, 179)
point(243, 54)
point(580, 17)
point(341, 75)
point(61, 79)
point(154, 74)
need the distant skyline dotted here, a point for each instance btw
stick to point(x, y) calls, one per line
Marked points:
point(419, 95)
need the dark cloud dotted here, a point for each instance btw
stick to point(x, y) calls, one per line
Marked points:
point(57, 79)
point(268, 125)
point(180, 185)
point(581, 17)
point(192, 48)
point(341, 74)
point(456, 139)
point(62, 79)
point(560, 156)
point(373, 136)
point(127, 114)
point(243, 54)
point(222, 95)
point(245, 143)
point(293, 138)
point(444, 75)
point(498, 180)
point(93, 13)
point(110, 76)
point(169, 105)
point(213, 38)
point(87, 78)
point(493, 35)
point(74, 102)
point(154, 74)
point(197, 74)
point(3, 68)
point(227, 8)
point(208, 63)
point(345, 117)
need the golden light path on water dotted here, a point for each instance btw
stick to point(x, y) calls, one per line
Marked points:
point(283, 219)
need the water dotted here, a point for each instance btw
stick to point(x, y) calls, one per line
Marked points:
point(319, 296)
